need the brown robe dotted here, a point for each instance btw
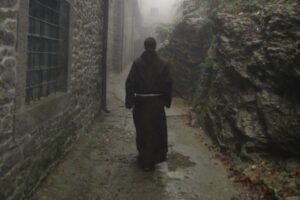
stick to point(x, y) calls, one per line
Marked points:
point(150, 74)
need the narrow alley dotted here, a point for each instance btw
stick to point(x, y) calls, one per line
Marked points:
point(231, 68)
point(102, 165)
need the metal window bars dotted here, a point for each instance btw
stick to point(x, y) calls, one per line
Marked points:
point(47, 48)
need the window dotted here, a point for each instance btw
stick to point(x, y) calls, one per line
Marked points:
point(47, 48)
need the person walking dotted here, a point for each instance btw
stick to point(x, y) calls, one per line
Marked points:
point(148, 92)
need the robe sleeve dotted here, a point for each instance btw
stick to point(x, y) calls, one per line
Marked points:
point(130, 88)
point(167, 95)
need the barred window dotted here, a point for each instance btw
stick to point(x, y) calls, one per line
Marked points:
point(47, 48)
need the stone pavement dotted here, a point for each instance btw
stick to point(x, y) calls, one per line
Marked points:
point(102, 166)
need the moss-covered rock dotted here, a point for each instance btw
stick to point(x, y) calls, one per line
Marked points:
point(242, 71)
point(187, 48)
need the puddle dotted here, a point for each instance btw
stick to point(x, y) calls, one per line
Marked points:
point(177, 160)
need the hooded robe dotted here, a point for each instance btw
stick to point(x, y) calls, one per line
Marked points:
point(149, 91)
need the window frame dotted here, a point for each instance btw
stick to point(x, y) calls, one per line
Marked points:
point(29, 116)
point(47, 56)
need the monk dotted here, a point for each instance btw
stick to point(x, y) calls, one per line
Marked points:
point(148, 92)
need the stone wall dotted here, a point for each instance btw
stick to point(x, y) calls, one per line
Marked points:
point(115, 36)
point(35, 136)
point(9, 156)
point(7, 67)
point(124, 33)
point(132, 21)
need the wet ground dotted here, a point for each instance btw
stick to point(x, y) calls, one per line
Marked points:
point(102, 165)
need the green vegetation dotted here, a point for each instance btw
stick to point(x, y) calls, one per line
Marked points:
point(229, 5)
point(208, 63)
point(163, 31)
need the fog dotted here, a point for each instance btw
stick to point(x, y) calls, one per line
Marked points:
point(158, 11)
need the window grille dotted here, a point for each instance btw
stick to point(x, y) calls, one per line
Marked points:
point(47, 48)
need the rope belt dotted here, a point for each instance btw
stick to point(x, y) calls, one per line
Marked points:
point(148, 95)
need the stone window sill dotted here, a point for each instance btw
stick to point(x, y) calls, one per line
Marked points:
point(39, 112)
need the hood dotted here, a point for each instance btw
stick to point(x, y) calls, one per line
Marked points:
point(149, 56)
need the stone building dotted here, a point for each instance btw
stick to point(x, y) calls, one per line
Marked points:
point(125, 40)
point(51, 63)
point(156, 12)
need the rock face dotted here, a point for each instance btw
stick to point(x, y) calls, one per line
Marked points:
point(187, 48)
point(247, 94)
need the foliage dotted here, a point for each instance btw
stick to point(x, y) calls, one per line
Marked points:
point(163, 31)
point(208, 63)
point(229, 5)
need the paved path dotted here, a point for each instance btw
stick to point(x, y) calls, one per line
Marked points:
point(102, 164)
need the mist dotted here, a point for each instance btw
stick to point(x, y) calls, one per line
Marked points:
point(156, 12)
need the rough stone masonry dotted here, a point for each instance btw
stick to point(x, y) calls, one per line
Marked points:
point(33, 137)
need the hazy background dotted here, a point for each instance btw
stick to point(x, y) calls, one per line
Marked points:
point(158, 11)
